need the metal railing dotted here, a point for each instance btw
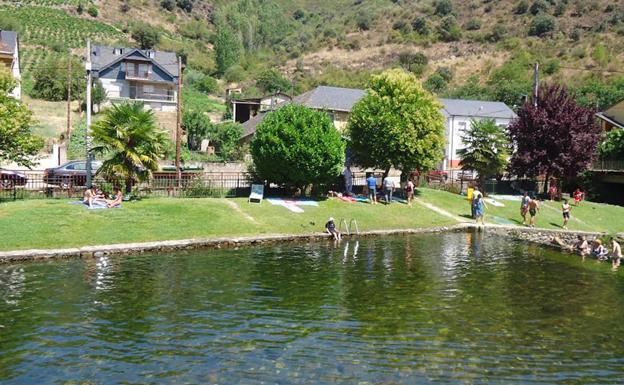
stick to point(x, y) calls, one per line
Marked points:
point(137, 92)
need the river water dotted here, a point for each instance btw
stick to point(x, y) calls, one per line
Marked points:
point(428, 309)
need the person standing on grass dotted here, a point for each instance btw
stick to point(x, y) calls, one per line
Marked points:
point(552, 191)
point(388, 187)
point(524, 207)
point(565, 209)
point(533, 210)
point(348, 180)
point(409, 192)
point(371, 182)
point(480, 207)
point(578, 196)
point(616, 252)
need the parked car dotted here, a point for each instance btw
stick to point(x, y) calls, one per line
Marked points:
point(10, 178)
point(72, 173)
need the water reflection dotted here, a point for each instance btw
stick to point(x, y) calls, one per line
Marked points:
point(455, 308)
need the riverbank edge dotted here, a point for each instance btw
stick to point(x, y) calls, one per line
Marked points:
point(533, 235)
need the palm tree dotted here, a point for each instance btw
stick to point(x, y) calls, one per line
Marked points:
point(128, 136)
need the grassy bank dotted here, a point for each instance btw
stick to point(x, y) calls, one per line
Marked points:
point(55, 223)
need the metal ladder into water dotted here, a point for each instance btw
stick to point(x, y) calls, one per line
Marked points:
point(348, 227)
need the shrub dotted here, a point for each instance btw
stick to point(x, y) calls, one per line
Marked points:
point(539, 6)
point(576, 34)
point(473, 25)
point(363, 21)
point(299, 14)
point(185, 5)
point(80, 8)
point(449, 29)
point(435, 83)
point(415, 62)
point(521, 7)
point(146, 35)
point(273, 81)
point(497, 33)
point(197, 127)
point(443, 7)
point(552, 67)
point(124, 7)
point(420, 25)
point(446, 73)
point(169, 5)
point(50, 79)
point(92, 11)
point(235, 73)
point(541, 25)
point(297, 146)
point(402, 26)
point(225, 137)
point(600, 55)
point(560, 9)
point(207, 84)
point(579, 52)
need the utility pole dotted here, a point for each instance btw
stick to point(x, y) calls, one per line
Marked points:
point(88, 135)
point(178, 124)
point(69, 86)
point(535, 84)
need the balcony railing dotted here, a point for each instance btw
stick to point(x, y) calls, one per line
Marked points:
point(137, 92)
point(608, 165)
point(132, 73)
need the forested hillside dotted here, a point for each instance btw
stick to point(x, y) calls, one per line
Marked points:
point(471, 48)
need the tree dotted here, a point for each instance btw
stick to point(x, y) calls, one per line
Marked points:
point(197, 127)
point(146, 35)
point(397, 124)
point(226, 136)
point(17, 144)
point(558, 138)
point(521, 7)
point(613, 145)
point(421, 26)
point(227, 49)
point(486, 150)
point(272, 81)
point(128, 136)
point(50, 79)
point(98, 95)
point(539, 6)
point(297, 146)
point(435, 83)
point(415, 62)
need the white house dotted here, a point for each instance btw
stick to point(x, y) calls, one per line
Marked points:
point(132, 74)
point(9, 57)
point(459, 113)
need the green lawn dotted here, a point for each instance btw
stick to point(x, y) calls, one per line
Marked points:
point(55, 223)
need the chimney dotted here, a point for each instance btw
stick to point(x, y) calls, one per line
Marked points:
point(117, 51)
point(150, 54)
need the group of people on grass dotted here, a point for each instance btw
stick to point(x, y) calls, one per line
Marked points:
point(598, 250)
point(96, 197)
point(388, 186)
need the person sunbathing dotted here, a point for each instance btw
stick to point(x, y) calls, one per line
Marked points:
point(117, 199)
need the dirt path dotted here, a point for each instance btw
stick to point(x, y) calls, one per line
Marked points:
point(235, 207)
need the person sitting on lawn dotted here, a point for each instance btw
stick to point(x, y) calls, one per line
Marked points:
point(117, 199)
point(330, 227)
point(89, 196)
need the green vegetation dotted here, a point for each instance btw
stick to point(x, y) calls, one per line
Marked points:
point(486, 151)
point(17, 143)
point(50, 79)
point(397, 124)
point(54, 223)
point(128, 138)
point(297, 146)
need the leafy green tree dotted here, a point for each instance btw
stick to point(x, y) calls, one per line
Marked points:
point(17, 143)
point(128, 137)
point(146, 35)
point(207, 84)
point(50, 79)
point(98, 95)
point(397, 124)
point(226, 136)
point(297, 146)
point(435, 83)
point(421, 26)
point(486, 149)
point(197, 126)
point(415, 62)
point(612, 146)
point(600, 93)
point(7, 82)
point(227, 49)
point(539, 6)
point(273, 81)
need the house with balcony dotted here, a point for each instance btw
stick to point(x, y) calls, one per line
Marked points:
point(131, 74)
point(10, 59)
